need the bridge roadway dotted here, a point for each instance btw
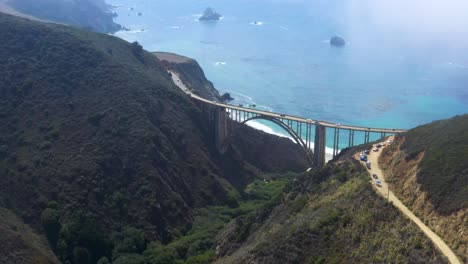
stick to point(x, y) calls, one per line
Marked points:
point(222, 126)
point(294, 118)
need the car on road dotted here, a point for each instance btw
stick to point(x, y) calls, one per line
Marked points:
point(378, 183)
point(368, 164)
point(367, 152)
point(375, 149)
point(375, 176)
point(282, 115)
point(363, 158)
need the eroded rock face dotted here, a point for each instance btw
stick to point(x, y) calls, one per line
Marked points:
point(226, 97)
point(337, 41)
point(190, 73)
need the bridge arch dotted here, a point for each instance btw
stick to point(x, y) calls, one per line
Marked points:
point(284, 126)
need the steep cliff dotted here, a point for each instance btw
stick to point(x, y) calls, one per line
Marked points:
point(190, 73)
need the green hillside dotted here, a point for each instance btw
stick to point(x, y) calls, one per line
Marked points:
point(444, 168)
point(328, 216)
point(97, 142)
point(19, 244)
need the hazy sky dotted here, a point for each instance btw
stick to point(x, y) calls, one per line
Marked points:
point(423, 18)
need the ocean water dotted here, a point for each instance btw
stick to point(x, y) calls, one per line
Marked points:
point(388, 75)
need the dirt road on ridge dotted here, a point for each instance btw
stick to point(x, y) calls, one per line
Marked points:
point(385, 192)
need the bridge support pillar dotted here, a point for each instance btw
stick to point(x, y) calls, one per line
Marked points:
point(221, 129)
point(319, 145)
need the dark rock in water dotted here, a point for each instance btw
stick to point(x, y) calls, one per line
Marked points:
point(337, 41)
point(140, 14)
point(226, 97)
point(210, 14)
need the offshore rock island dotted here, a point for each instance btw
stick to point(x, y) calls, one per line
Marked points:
point(337, 41)
point(210, 15)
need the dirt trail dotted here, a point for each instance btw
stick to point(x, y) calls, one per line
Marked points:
point(385, 192)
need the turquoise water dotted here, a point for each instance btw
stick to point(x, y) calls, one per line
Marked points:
point(382, 78)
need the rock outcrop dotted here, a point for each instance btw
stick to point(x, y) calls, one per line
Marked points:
point(190, 73)
point(226, 97)
point(337, 41)
point(210, 14)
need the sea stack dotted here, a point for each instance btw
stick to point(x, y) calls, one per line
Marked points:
point(210, 14)
point(337, 41)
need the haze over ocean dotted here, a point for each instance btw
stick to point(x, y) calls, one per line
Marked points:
point(390, 74)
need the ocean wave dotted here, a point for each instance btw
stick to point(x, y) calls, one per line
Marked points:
point(269, 130)
point(220, 63)
point(176, 27)
point(135, 31)
point(262, 127)
point(257, 23)
point(242, 95)
point(269, 109)
point(457, 65)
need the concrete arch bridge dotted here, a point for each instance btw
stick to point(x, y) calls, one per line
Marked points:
point(303, 131)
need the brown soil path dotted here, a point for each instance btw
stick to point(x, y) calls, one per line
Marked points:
point(385, 192)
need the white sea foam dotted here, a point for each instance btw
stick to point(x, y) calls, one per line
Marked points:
point(266, 129)
point(269, 130)
point(220, 63)
point(457, 65)
point(176, 27)
point(242, 95)
point(257, 23)
point(269, 109)
point(135, 31)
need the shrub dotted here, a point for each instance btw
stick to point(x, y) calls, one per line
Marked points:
point(50, 223)
point(129, 240)
point(81, 255)
point(159, 254)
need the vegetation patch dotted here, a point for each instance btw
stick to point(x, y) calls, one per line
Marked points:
point(332, 216)
point(443, 171)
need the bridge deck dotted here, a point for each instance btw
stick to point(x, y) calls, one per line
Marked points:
point(178, 82)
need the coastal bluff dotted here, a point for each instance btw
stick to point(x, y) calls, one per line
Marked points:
point(190, 73)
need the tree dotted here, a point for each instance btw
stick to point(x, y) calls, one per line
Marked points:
point(137, 50)
point(50, 223)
